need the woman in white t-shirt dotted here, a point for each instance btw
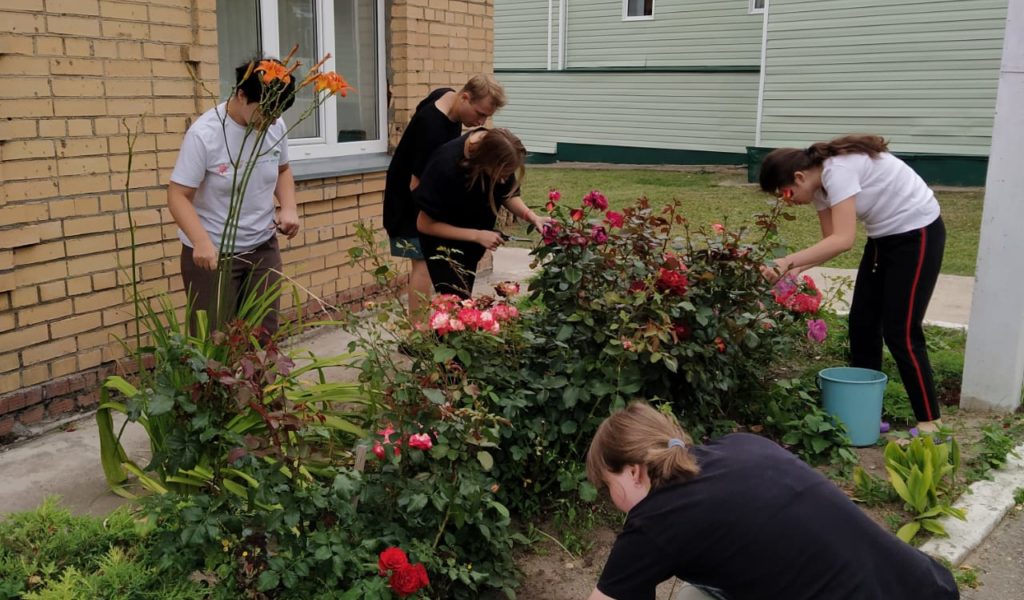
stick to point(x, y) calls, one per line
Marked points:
point(852, 179)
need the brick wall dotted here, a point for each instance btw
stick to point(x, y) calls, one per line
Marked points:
point(75, 73)
point(435, 43)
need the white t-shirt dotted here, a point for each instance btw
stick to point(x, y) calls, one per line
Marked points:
point(891, 197)
point(205, 163)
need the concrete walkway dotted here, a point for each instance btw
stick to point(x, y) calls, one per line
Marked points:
point(65, 461)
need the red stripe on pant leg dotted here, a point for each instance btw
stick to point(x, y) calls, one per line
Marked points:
point(910, 318)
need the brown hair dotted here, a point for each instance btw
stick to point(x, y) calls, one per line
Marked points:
point(484, 86)
point(779, 167)
point(498, 154)
point(640, 435)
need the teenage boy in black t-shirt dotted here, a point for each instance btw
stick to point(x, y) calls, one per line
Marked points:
point(438, 119)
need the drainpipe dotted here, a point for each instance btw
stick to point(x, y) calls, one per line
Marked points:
point(764, 64)
point(563, 14)
point(550, 19)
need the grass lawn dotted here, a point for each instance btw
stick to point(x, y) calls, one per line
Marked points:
point(723, 196)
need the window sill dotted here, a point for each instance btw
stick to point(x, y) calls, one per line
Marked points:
point(306, 169)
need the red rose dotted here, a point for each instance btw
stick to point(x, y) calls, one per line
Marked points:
point(672, 281)
point(391, 559)
point(576, 214)
point(614, 219)
point(720, 344)
point(681, 330)
point(409, 579)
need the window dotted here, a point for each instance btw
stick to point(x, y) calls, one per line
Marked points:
point(352, 31)
point(756, 6)
point(637, 10)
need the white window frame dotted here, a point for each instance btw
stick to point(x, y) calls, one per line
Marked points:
point(754, 10)
point(326, 146)
point(650, 17)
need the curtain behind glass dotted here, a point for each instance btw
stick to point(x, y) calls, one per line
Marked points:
point(238, 39)
point(355, 55)
point(639, 8)
point(297, 25)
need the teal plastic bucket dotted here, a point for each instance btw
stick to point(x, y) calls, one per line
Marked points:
point(854, 396)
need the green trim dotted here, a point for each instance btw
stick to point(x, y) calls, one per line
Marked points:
point(936, 169)
point(693, 69)
point(541, 158)
point(644, 156)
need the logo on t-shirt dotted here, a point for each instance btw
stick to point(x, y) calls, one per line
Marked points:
point(222, 169)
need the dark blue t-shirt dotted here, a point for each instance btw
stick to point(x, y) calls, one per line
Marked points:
point(760, 524)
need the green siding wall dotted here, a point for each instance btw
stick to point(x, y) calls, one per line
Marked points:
point(520, 34)
point(682, 33)
point(922, 73)
point(694, 111)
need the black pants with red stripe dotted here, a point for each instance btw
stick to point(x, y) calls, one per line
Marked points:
point(894, 284)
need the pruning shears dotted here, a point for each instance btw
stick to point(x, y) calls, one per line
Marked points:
point(513, 238)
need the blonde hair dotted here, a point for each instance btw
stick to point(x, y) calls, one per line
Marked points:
point(641, 435)
point(497, 154)
point(484, 86)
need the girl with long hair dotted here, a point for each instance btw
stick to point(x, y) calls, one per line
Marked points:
point(739, 518)
point(855, 178)
point(459, 194)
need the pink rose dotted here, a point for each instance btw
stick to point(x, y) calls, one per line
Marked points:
point(506, 288)
point(614, 219)
point(598, 234)
point(420, 441)
point(550, 233)
point(470, 317)
point(718, 228)
point(554, 195)
point(817, 330)
point(440, 322)
point(595, 199)
point(378, 450)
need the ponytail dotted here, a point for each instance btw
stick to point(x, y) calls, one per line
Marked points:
point(640, 435)
point(779, 166)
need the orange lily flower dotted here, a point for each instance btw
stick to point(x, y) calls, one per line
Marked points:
point(333, 83)
point(272, 71)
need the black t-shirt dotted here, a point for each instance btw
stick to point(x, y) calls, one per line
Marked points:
point(428, 129)
point(757, 523)
point(445, 195)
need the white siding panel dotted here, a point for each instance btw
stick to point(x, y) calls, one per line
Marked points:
point(689, 111)
point(922, 73)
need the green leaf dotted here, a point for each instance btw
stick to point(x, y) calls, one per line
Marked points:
point(435, 395)
point(564, 333)
point(588, 493)
point(908, 531)
point(934, 526)
point(486, 460)
point(568, 427)
point(268, 580)
point(443, 354)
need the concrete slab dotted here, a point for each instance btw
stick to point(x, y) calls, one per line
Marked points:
point(65, 463)
point(986, 503)
point(950, 305)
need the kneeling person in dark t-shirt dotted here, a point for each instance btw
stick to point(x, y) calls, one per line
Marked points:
point(438, 119)
point(458, 197)
point(741, 519)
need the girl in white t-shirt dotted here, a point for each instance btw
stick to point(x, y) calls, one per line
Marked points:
point(855, 178)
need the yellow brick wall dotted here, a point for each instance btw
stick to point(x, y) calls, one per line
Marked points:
point(435, 43)
point(77, 74)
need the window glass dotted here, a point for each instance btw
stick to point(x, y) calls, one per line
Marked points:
point(639, 8)
point(355, 57)
point(296, 20)
point(238, 39)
